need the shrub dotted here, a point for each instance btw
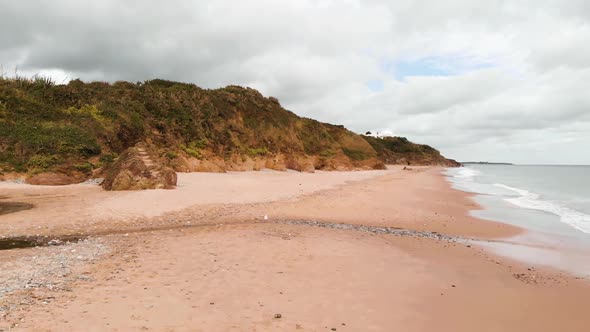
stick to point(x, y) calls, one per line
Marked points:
point(191, 151)
point(199, 144)
point(107, 158)
point(255, 152)
point(84, 168)
point(327, 153)
point(42, 161)
point(355, 154)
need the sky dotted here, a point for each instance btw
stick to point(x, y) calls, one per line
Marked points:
point(478, 80)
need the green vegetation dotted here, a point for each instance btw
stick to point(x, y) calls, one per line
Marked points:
point(194, 148)
point(400, 150)
point(255, 152)
point(42, 162)
point(355, 154)
point(328, 153)
point(171, 155)
point(107, 158)
point(85, 168)
point(191, 151)
point(397, 145)
point(73, 127)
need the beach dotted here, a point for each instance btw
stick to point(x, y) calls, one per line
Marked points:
point(391, 250)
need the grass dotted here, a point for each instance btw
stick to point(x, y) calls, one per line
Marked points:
point(80, 122)
point(191, 151)
point(256, 152)
point(355, 155)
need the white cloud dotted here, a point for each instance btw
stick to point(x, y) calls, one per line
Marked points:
point(517, 69)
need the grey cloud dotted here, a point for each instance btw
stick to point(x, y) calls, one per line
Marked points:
point(317, 57)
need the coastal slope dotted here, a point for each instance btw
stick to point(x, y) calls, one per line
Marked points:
point(57, 134)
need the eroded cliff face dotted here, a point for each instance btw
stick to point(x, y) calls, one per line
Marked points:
point(77, 131)
point(279, 162)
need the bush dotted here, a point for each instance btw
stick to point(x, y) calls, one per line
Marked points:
point(327, 153)
point(84, 168)
point(107, 158)
point(199, 144)
point(191, 151)
point(355, 154)
point(43, 162)
point(255, 152)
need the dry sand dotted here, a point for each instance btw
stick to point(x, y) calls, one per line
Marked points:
point(203, 258)
point(87, 207)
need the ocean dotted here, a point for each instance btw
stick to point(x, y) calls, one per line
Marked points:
point(551, 202)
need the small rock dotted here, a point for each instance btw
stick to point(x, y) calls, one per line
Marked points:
point(278, 315)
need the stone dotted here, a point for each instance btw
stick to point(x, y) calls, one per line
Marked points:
point(135, 169)
point(52, 179)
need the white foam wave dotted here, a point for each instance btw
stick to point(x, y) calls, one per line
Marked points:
point(467, 173)
point(529, 200)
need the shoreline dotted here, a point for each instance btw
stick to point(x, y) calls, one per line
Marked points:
point(223, 266)
point(514, 230)
point(544, 240)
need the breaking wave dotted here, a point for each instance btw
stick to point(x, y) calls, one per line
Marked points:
point(467, 173)
point(530, 200)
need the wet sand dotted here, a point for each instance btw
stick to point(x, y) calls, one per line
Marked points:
point(205, 258)
point(11, 207)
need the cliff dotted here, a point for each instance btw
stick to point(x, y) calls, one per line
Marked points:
point(400, 151)
point(78, 131)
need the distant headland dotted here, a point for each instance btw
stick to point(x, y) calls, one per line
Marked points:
point(483, 163)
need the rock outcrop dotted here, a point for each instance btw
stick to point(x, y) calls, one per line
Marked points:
point(54, 179)
point(135, 170)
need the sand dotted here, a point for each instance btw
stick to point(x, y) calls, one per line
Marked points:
point(204, 258)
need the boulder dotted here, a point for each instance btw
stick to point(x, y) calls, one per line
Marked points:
point(136, 170)
point(53, 179)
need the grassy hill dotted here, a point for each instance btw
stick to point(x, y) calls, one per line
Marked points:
point(79, 128)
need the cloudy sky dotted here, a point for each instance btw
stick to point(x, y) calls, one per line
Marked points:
point(479, 80)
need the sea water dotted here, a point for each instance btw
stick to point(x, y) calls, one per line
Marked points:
point(551, 202)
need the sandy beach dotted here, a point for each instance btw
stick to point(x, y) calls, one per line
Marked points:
point(384, 250)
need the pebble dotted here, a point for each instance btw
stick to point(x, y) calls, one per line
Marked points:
point(50, 268)
point(278, 315)
point(376, 230)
